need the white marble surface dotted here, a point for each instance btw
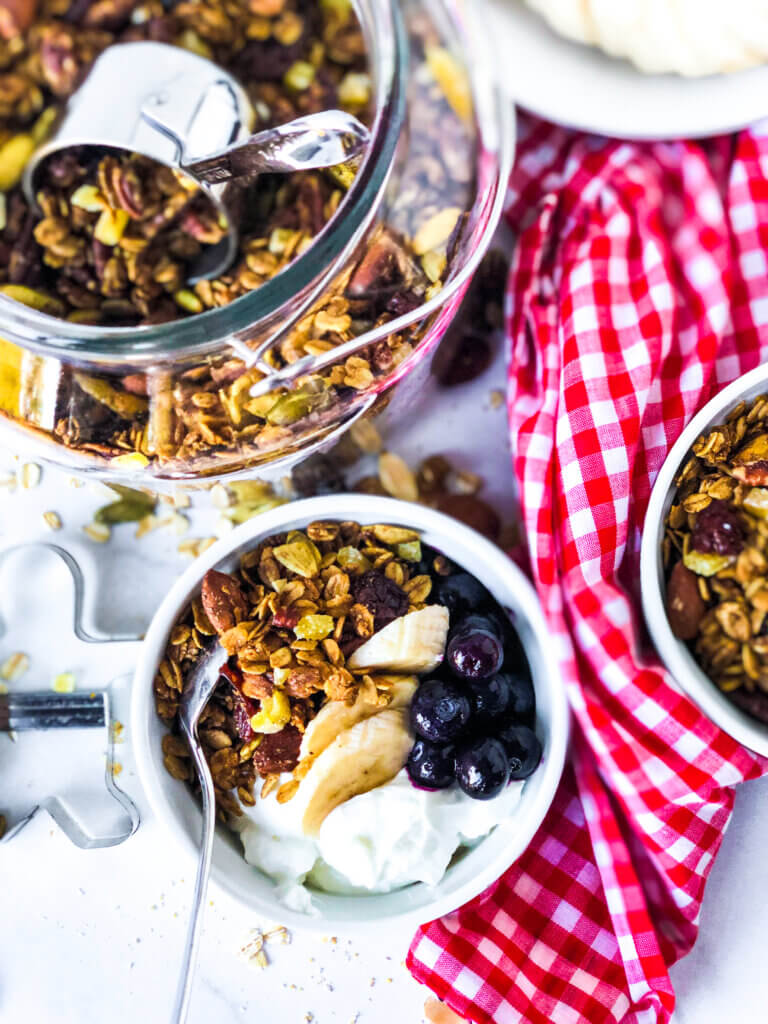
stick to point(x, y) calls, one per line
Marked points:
point(88, 937)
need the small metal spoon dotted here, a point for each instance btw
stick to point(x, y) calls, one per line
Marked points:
point(197, 692)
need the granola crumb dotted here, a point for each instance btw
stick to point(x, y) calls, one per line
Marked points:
point(116, 768)
point(496, 398)
point(53, 520)
point(14, 667)
point(30, 475)
point(98, 532)
point(64, 682)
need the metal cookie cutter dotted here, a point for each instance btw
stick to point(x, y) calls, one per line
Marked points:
point(172, 106)
point(47, 710)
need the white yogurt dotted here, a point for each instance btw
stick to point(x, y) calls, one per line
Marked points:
point(376, 842)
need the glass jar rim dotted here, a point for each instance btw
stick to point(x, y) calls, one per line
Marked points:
point(386, 39)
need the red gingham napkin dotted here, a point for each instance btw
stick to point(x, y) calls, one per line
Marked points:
point(639, 288)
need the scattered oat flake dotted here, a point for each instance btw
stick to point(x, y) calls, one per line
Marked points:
point(146, 524)
point(116, 731)
point(53, 519)
point(497, 398)
point(75, 482)
point(14, 667)
point(64, 682)
point(180, 524)
point(220, 496)
point(30, 475)
point(181, 499)
point(116, 768)
point(8, 480)
point(98, 532)
point(366, 437)
point(397, 478)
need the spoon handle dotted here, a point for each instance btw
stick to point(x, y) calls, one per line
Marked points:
point(194, 931)
point(325, 139)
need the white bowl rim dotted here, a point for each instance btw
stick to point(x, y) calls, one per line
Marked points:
point(372, 509)
point(673, 652)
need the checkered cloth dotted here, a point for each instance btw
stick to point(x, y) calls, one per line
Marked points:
point(639, 288)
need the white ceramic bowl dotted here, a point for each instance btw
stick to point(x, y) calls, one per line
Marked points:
point(174, 805)
point(673, 652)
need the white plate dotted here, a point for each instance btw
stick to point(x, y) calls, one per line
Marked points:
point(581, 87)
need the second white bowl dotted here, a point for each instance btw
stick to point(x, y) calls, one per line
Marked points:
point(675, 653)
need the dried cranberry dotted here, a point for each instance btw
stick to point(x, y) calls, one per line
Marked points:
point(718, 530)
point(319, 474)
point(285, 618)
point(243, 709)
point(381, 596)
point(278, 751)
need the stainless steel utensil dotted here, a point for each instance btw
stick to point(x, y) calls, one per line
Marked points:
point(22, 712)
point(197, 692)
point(184, 111)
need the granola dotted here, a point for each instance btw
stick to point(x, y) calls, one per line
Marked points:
point(289, 619)
point(715, 552)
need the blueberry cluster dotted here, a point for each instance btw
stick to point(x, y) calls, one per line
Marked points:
point(474, 721)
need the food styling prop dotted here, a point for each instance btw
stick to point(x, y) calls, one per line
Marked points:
point(611, 96)
point(46, 710)
point(638, 289)
point(183, 111)
point(674, 652)
point(479, 866)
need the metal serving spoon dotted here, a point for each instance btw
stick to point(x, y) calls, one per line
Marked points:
point(197, 692)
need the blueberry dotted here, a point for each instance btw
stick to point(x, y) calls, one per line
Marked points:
point(475, 649)
point(461, 594)
point(522, 705)
point(431, 766)
point(439, 710)
point(523, 750)
point(491, 700)
point(482, 768)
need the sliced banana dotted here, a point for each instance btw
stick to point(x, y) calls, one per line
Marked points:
point(361, 758)
point(336, 716)
point(412, 643)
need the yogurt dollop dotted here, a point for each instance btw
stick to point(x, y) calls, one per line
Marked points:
point(382, 840)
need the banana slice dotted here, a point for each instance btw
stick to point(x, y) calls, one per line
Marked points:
point(361, 758)
point(336, 716)
point(412, 643)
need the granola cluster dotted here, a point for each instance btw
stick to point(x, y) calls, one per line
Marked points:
point(287, 620)
point(715, 551)
point(115, 235)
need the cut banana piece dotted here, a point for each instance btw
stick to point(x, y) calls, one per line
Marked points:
point(361, 758)
point(336, 716)
point(412, 643)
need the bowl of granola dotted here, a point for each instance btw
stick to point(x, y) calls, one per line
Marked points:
point(389, 727)
point(115, 360)
point(704, 560)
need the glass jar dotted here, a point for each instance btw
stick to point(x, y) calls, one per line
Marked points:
point(285, 369)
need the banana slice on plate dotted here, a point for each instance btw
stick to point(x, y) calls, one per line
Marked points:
point(361, 758)
point(412, 643)
point(336, 716)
